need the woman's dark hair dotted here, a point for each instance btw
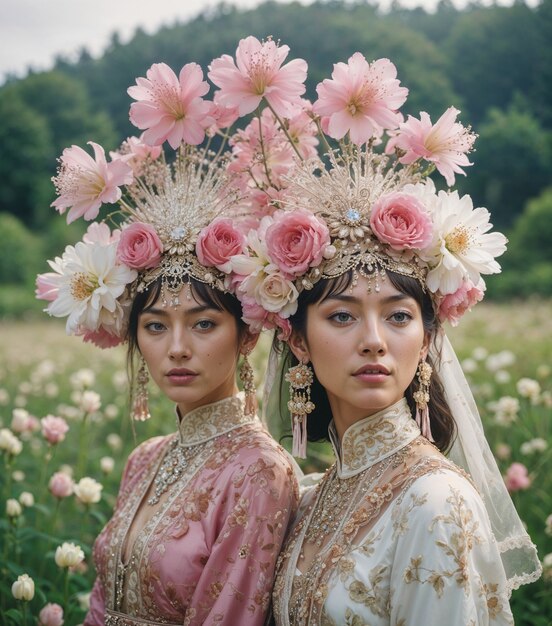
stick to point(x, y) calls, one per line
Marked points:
point(199, 291)
point(443, 426)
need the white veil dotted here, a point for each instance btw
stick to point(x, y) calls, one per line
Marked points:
point(471, 452)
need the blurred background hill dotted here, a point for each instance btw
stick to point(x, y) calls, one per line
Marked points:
point(494, 63)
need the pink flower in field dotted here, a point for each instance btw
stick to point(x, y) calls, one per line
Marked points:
point(296, 240)
point(51, 615)
point(454, 305)
point(102, 338)
point(517, 477)
point(54, 429)
point(85, 183)
point(361, 98)
point(61, 485)
point(258, 73)
point(218, 242)
point(444, 143)
point(401, 220)
point(139, 246)
point(171, 108)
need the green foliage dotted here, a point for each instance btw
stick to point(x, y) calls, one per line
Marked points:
point(21, 252)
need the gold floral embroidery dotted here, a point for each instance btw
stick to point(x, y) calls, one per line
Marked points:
point(376, 595)
point(401, 514)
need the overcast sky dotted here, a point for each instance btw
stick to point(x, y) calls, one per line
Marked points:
point(33, 32)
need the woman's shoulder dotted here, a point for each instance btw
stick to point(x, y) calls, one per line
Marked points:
point(147, 449)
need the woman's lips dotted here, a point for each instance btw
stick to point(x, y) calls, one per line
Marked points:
point(372, 373)
point(179, 376)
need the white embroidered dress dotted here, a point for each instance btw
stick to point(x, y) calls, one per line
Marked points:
point(394, 534)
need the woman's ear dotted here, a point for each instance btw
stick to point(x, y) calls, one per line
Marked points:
point(248, 342)
point(298, 346)
point(425, 346)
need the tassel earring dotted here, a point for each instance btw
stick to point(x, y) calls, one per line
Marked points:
point(421, 397)
point(140, 408)
point(300, 379)
point(248, 380)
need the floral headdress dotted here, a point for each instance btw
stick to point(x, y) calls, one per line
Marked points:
point(367, 204)
point(176, 217)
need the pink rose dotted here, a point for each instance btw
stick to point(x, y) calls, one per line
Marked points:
point(61, 485)
point(516, 477)
point(51, 615)
point(454, 305)
point(258, 319)
point(296, 241)
point(139, 246)
point(218, 242)
point(400, 220)
point(54, 428)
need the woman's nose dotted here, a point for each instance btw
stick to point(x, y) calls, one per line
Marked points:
point(180, 346)
point(371, 338)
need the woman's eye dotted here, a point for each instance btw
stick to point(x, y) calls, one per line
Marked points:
point(341, 317)
point(401, 317)
point(154, 327)
point(204, 325)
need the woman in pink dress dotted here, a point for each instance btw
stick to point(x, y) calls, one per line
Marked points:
point(201, 514)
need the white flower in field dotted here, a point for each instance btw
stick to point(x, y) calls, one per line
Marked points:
point(4, 397)
point(18, 476)
point(546, 399)
point(19, 421)
point(83, 379)
point(526, 448)
point(502, 377)
point(68, 555)
point(67, 469)
point(84, 600)
point(23, 588)
point(548, 526)
point(506, 410)
point(120, 380)
point(20, 401)
point(90, 402)
point(544, 371)
point(26, 498)
point(503, 451)
point(469, 366)
point(9, 442)
point(114, 442)
point(51, 390)
point(534, 445)
point(69, 412)
point(528, 388)
point(88, 490)
point(111, 411)
point(107, 464)
point(45, 369)
point(25, 387)
point(547, 566)
point(480, 353)
point(501, 360)
point(13, 508)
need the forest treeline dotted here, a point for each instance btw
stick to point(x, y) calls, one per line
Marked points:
point(494, 63)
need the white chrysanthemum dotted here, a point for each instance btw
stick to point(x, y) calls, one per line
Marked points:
point(461, 248)
point(91, 283)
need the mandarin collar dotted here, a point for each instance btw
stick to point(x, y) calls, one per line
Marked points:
point(373, 438)
point(211, 420)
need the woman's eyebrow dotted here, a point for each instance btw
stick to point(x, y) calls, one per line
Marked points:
point(196, 309)
point(354, 300)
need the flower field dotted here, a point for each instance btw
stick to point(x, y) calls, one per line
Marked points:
point(65, 435)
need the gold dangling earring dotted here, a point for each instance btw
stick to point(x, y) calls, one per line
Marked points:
point(421, 397)
point(247, 378)
point(300, 377)
point(140, 408)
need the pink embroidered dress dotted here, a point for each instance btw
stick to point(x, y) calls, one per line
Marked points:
point(198, 525)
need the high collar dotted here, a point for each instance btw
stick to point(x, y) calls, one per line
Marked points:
point(373, 438)
point(211, 420)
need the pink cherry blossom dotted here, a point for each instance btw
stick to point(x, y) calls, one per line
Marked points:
point(296, 240)
point(85, 183)
point(258, 73)
point(61, 485)
point(171, 108)
point(401, 220)
point(218, 242)
point(517, 478)
point(135, 152)
point(454, 305)
point(444, 143)
point(99, 232)
point(361, 98)
point(303, 131)
point(139, 246)
point(51, 615)
point(54, 428)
